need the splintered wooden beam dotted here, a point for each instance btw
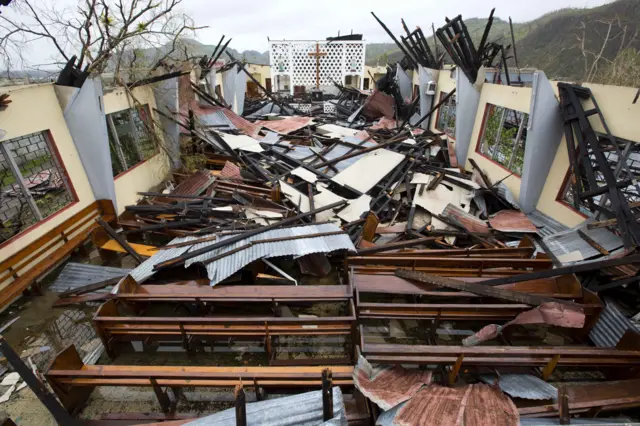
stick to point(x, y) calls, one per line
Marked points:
point(481, 289)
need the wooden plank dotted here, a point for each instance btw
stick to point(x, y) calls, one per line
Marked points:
point(141, 249)
point(370, 225)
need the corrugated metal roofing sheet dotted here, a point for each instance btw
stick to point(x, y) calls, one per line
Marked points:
point(388, 386)
point(203, 113)
point(471, 405)
point(75, 275)
point(386, 418)
point(512, 221)
point(195, 184)
point(145, 269)
point(524, 386)
point(610, 327)
point(570, 241)
point(546, 225)
point(230, 171)
point(286, 125)
point(301, 410)
point(223, 268)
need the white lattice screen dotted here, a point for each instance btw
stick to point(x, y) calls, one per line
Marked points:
point(292, 58)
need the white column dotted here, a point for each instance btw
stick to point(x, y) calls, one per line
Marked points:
point(291, 69)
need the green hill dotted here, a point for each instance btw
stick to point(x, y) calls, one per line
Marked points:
point(553, 42)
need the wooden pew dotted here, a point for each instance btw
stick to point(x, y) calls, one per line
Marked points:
point(73, 381)
point(23, 268)
point(113, 327)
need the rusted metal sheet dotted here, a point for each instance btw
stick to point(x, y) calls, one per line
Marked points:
point(512, 221)
point(472, 405)
point(231, 171)
point(195, 184)
point(465, 220)
point(388, 386)
point(379, 104)
point(246, 127)
point(285, 125)
point(547, 313)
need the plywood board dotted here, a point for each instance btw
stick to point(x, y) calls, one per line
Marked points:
point(365, 173)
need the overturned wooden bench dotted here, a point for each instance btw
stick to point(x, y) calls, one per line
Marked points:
point(72, 380)
point(113, 327)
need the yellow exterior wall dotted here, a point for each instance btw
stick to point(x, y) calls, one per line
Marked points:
point(516, 98)
point(376, 72)
point(547, 203)
point(150, 173)
point(616, 104)
point(34, 109)
point(621, 115)
point(444, 84)
point(259, 72)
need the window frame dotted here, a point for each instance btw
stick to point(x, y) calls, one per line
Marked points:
point(137, 147)
point(565, 188)
point(519, 142)
point(451, 135)
point(14, 169)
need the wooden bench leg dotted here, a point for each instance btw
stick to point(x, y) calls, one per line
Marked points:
point(453, 374)
point(163, 398)
point(548, 369)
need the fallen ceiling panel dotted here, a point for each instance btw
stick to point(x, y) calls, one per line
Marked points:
point(241, 142)
point(355, 208)
point(365, 173)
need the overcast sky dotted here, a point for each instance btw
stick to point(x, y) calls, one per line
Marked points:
point(250, 22)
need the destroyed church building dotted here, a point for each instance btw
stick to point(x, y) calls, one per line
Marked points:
point(319, 242)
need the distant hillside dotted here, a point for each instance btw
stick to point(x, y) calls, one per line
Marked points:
point(551, 42)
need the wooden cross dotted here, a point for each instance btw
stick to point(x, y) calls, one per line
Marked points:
point(317, 55)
